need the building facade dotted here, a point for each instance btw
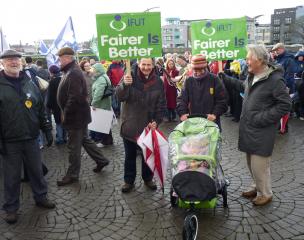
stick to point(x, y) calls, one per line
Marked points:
point(175, 34)
point(285, 23)
point(263, 34)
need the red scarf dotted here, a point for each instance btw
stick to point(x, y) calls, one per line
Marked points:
point(148, 82)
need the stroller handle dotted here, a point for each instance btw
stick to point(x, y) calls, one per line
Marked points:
point(198, 115)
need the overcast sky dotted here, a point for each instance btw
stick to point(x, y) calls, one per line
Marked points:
point(32, 20)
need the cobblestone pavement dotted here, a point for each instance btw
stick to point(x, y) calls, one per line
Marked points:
point(96, 209)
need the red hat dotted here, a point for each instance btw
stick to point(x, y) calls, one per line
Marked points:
point(198, 61)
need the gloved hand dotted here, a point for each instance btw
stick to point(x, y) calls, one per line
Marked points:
point(221, 75)
point(49, 138)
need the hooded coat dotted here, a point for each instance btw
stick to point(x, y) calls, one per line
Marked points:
point(265, 102)
point(100, 82)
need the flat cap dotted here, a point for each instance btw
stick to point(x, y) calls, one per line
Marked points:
point(65, 51)
point(277, 46)
point(10, 53)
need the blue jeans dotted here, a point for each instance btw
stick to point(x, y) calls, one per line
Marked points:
point(130, 163)
point(60, 134)
point(96, 136)
point(29, 153)
point(40, 139)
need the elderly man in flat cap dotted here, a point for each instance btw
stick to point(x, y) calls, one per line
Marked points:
point(22, 115)
point(286, 59)
point(72, 98)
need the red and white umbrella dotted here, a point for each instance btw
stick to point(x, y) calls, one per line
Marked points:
point(155, 149)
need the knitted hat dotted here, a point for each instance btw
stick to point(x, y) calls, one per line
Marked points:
point(198, 61)
point(65, 51)
point(54, 69)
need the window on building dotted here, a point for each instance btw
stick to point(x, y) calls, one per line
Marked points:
point(176, 30)
point(276, 21)
point(177, 37)
point(276, 29)
point(286, 35)
point(276, 36)
point(288, 20)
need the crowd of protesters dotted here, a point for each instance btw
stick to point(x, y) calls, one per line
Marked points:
point(259, 92)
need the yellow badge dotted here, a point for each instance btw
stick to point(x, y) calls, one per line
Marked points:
point(28, 103)
point(211, 91)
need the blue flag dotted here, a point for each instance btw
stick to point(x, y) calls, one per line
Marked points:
point(66, 38)
point(43, 49)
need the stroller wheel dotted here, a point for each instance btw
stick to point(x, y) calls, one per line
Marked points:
point(173, 199)
point(224, 194)
point(190, 227)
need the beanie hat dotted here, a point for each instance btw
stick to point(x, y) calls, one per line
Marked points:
point(54, 69)
point(198, 61)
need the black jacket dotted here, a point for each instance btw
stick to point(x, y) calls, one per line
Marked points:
point(265, 102)
point(205, 95)
point(19, 122)
point(51, 98)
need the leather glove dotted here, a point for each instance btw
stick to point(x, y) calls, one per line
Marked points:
point(221, 75)
point(49, 138)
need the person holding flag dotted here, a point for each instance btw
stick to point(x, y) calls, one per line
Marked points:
point(143, 105)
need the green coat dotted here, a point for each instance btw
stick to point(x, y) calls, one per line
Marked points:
point(100, 81)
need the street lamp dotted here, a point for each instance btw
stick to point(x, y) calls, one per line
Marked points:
point(148, 9)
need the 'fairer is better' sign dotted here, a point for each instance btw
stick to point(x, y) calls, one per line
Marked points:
point(220, 39)
point(129, 35)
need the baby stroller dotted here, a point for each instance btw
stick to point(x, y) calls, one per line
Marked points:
point(197, 176)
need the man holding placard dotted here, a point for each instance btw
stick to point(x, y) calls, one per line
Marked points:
point(129, 36)
point(143, 105)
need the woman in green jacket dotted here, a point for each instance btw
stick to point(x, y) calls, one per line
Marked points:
point(100, 82)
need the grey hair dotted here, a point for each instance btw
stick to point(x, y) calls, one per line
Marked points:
point(259, 52)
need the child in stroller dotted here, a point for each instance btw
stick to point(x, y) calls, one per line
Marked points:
point(197, 176)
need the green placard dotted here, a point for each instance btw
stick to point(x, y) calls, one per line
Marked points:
point(129, 35)
point(220, 39)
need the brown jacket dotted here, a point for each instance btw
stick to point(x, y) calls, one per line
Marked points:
point(72, 98)
point(142, 102)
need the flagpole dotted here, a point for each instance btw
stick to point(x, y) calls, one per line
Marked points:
point(1, 35)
